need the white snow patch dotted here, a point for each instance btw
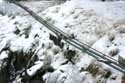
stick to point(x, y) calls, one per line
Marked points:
point(4, 55)
point(31, 71)
point(1, 1)
point(122, 52)
point(115, 9)
point(85, 19)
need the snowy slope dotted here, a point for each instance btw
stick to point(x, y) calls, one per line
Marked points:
point(37, 6)
point(22, 37)
point(82, 23)
point(111, 9)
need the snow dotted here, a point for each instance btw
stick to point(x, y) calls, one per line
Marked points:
point(111, 9)
point(31, 71)
point(58, 60)
point(96, 23)
point(69, 75)
point(122, 52)
point(96, 26)
point(84, 61)
point(112, 50)
point(99, 21)
point(4, 55)
point(87, 77)
point(53, 77)
point(1, 1)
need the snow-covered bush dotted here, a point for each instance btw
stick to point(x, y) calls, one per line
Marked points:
point(52, 61)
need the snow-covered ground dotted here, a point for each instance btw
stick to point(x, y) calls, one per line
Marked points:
point(111, 8)
point(37, 6)
point(99, 24)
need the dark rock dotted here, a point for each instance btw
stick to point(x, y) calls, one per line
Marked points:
point(56, 40)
